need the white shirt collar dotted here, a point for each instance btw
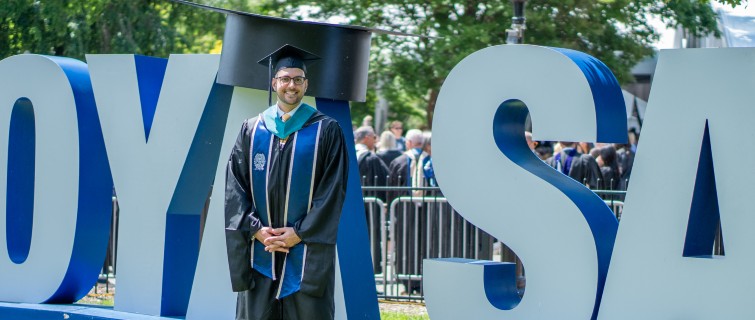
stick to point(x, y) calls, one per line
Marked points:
point(360, 147)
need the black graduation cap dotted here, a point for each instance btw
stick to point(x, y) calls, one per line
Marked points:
point(286, 56)
point(341, 74)
point(289, 56)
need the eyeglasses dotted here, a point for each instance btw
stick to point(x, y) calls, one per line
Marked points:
point(397, 128)
point(297, 80)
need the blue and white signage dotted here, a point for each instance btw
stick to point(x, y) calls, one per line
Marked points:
point(159, 130)
point(55, 184)
point(562, 231)
point(690, 173)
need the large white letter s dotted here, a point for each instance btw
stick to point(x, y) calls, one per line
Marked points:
point(565, 241)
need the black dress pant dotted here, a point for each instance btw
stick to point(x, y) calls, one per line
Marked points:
point(260, 303)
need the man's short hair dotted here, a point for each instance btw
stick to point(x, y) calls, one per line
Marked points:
point(427, 137)
point(387, 141)
point(363, 132)
point(415, 136)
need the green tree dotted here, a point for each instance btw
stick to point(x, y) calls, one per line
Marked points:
point(408, 70)
point(74, 28)
point(413, 69)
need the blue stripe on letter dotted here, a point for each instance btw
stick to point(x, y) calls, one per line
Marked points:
point(150, 72)
point(606, 93)
point(353, 243)
point(95, 190)
point(20, 184)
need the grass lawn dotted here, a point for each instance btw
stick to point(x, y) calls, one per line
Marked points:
point(106, 299)
point(399, 316)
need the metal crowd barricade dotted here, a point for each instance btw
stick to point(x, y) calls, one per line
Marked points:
point(417, 224)
point(108, 267)
point(436, 231)
point(614, 199)
point(616, 206)
point(377, 227)
point(428, 227)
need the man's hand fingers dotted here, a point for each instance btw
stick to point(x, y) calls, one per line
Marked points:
point(272, 240)
point(279, 241)
point(273, 248)
point(284, 237)
point(282, 231)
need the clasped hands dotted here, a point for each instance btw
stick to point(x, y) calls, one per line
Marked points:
point(280, 239)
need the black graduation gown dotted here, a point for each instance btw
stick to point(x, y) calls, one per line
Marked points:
point(398, 170)
point(388, 155)
point(373, 172)
point(409, 225)
point(318, 228)
point(625, 158)
point(611, 178)
point(584, 169)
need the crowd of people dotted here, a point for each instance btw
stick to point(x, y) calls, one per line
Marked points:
point(598, 166)
point(395, 159)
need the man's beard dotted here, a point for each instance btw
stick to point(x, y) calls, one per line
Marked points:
point(296, 99)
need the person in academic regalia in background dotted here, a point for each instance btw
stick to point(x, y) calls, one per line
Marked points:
point(386, 148)
point(625, 159)
point(609, 168)
point(578, 166)
point(372, 172)
point(397, 128)
point(285, 187)
point(408, 171)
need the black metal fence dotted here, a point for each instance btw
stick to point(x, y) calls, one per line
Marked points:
point(407, 225)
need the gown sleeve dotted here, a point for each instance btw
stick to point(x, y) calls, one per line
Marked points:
point(241, 221)
point(594, 175)
point(585, 170)
point(380, 176)
point(320, 224)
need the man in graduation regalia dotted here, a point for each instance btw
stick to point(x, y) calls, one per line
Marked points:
point(285, 187)
point(373, 172)
point(578, 166)
point(411, 247)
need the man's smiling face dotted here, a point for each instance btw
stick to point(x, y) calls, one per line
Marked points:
point(289, 94)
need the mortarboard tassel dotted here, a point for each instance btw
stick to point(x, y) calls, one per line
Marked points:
point(270, 81)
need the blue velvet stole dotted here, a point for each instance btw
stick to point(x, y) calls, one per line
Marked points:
point(299, 195)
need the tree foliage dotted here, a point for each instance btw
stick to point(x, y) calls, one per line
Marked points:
point(74, 28)
point(408, 70)
point(413, 69)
